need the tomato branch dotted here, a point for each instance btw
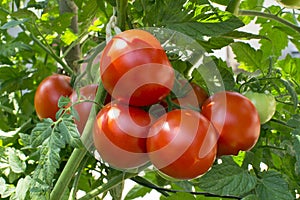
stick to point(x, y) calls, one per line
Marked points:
point(269, 16)
point(109, 185)
point(160, 189)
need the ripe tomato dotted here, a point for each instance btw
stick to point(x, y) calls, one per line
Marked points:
point(235, 118)
point(192, 95)
point(182, 144)
point(48, 93)
point(120, 134)
point(135, 69)
point(265, 105)
point(83, 109)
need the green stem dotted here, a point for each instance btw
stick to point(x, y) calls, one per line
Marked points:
point(137, 179)
point(67, 174)
point(269, 16)
point(54, 56)
point(233, 6)
point(77, 177)
point(109, 185)
point(121, 13)
point(78, 154)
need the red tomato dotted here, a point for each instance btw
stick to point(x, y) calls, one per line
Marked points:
point(135, 69)
point(182, 144)
point(48, 93)
point(235, 118)
point(86, 93)
point(120, 134)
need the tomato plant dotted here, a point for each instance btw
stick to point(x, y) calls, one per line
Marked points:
point(235, 118)
point(120, 134)
point(87, 94)
point(182, 144)
point(48, 93)
point(131, 57)
point(264, 103)
point(208, 42)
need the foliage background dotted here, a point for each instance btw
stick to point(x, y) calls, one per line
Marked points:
point(38, 160)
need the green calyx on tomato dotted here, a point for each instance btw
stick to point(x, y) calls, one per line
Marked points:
point(264, 103)
point(120, 133)
point(236, 120)
point(182, 144)
point(48, 93)
point(135, 69)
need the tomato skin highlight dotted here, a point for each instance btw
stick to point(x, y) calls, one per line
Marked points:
point(48, 93)
point(236, 120)
point(182, 144)
point(135, 69)
point(120, 134)
point(264, 103)
point(83, 109)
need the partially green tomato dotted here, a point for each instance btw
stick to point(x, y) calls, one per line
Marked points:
point(290, 3)
point(264, 103)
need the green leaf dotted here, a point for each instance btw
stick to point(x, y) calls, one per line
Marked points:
point(296, 146)
point(13, 23)
point(250, 197)
point(215, 43)
point(273, 186)
point(16, 160)
point(41, 132)
point(294, 121)
point(289, 87)
point(63, 101)
point(70, 132)
point(22, 189)
point(226, 74)
point(137, 191)
point(68, 37)
point(289, 67)
point(227, 179)
point(249, 58)
point(277, 39)
point(197, 29)
point(215, 75)
point(24, 13)
point(5, 189)
point(221, 2)
point(179, 196)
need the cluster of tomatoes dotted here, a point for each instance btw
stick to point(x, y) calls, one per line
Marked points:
point(184, 140)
